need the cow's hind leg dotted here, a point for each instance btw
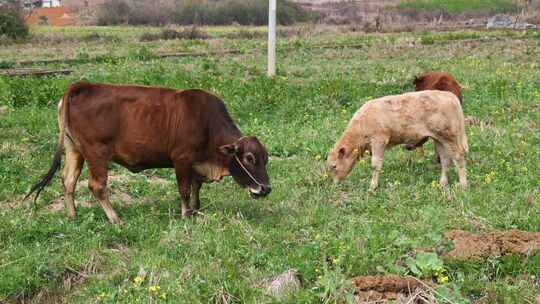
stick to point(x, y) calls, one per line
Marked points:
point(98, 186)
point(72, 171)
point(458, 157)
point(444, 155)
point(184, 178)
point(459, 161)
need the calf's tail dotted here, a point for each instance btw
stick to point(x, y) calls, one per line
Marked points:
point(57, 160)
point(462, 138)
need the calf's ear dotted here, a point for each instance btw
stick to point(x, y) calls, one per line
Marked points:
point(341, 152)
point(228, 149)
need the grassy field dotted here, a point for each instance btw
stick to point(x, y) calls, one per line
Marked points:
point(329, 233)
point(461, 6)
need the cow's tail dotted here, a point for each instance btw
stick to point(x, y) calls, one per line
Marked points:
point(462, 138)
point(57, 160)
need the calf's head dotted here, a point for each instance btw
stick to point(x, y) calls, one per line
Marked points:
point(341, 161)
point(247, 165)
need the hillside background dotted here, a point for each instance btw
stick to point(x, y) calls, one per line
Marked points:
point(370, 14)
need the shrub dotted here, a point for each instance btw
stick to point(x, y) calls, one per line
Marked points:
point(205, 12)
point(170, 34)
point(245, 34)
point(244, 12)
point(113, 12)
point(12, 23)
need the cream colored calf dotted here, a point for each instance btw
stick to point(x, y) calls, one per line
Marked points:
point(403, 119)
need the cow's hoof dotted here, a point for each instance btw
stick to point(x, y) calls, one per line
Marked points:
point(410, 147)
point(116, 221)
point(187, 213)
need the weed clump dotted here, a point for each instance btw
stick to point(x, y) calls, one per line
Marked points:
point(190, 33)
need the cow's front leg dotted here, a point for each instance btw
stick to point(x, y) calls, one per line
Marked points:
point(377, 158)
point(184, 178)
point(196, 185)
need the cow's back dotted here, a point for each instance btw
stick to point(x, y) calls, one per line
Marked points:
point(411, 115)
point(441, 81)
point(140, 125)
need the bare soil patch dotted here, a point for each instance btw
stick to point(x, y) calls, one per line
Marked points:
point(372, 289)
point(470, 246)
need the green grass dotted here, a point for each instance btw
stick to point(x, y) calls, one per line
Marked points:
point(329, 232)
point(460, 6)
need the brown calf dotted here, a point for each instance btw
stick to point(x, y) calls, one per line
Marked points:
point(441, 81)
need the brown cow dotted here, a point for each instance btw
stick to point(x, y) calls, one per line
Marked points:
point(403, 119)
point(441, 81)
point(142, 127)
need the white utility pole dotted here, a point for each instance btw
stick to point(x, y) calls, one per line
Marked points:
point(272, 37)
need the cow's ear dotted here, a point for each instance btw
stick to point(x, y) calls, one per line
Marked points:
point(228, 149)
point(341, 152)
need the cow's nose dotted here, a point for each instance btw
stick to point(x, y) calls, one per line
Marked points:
point(266, 189)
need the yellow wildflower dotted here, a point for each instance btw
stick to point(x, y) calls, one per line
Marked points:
point(154, 288)
point(443, 279)
point(138, 280)
point(489, 177)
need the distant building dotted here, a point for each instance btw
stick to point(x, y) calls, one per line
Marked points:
point(51, 3)
point(41, 3)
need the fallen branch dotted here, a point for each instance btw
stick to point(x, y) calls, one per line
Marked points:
point(33, 72)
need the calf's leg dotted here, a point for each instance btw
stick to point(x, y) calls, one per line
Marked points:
point(377, 158)
point(184, 179)
point(445, 162)
point(459, 162)
point(458, 157)
point(72, 170)
point(195, 188)
point(98, 186)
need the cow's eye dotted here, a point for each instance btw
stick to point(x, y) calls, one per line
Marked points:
point(249, 158)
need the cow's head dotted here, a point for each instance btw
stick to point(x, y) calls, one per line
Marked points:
point(247, 165)
point(418, 83)
point(341, 161)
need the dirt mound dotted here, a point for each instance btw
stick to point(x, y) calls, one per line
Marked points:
point(469, 246)
point(389, 287)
